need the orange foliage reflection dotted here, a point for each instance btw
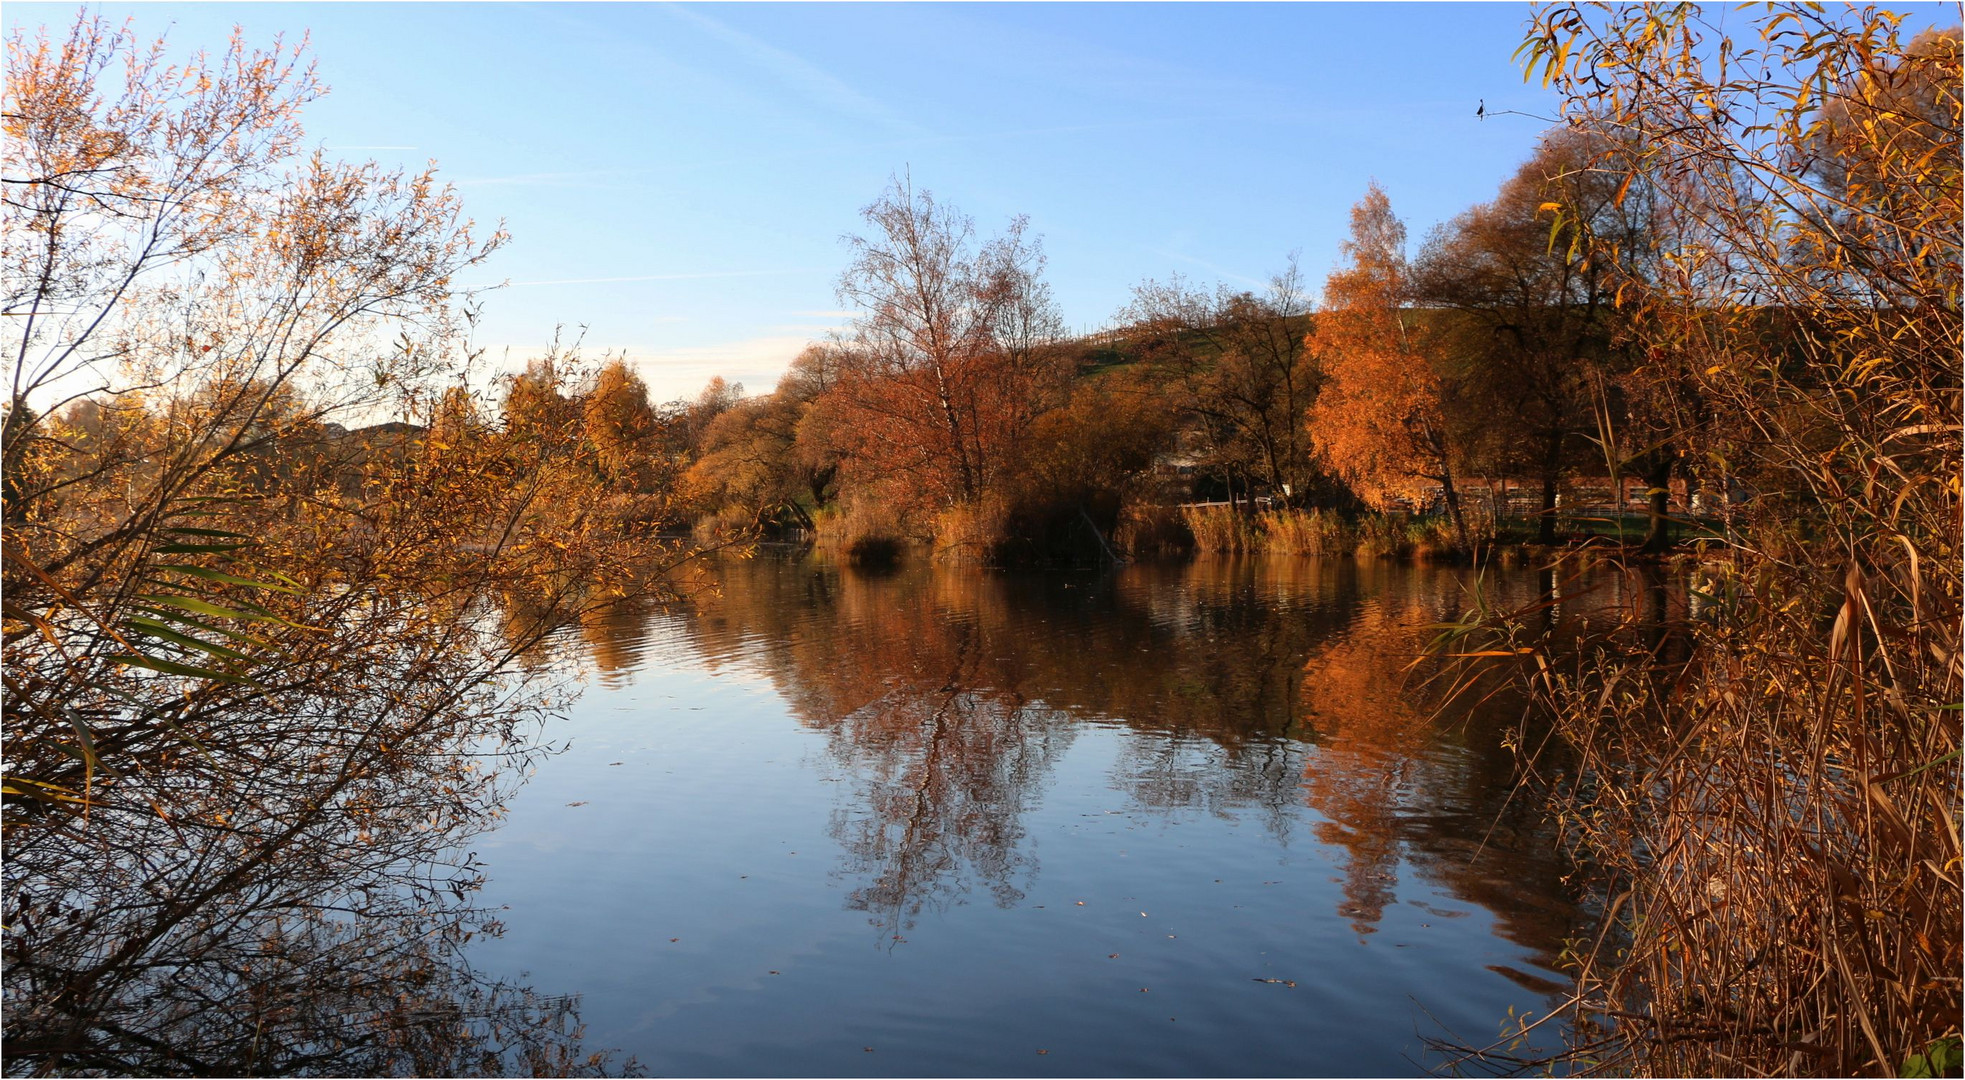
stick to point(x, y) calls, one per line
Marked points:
point(948, 696)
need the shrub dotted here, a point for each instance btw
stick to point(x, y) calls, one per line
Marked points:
point(1431, 539)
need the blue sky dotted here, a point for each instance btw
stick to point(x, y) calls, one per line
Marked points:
point(677, 178)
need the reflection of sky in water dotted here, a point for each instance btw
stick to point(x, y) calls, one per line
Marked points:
point(959, 818)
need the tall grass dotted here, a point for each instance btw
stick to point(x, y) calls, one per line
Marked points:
point(1317, 533)
point(730, 525)
point(971, 533)
point(1766, 795)
point(1148, 529)
point(1321, 533)
point(1769, 808)
point(1222, 530)
point(1382, 537)
point(862, 533)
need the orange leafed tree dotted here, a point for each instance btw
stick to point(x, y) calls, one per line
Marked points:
point(950, 359)
point(619, 425)
point(256, 695)
point(1381, 418)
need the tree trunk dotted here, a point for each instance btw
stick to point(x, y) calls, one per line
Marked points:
point(1658, 539)
point(797, 511)
point(1453, 509)
point(1545, 533)
point(1545, 527)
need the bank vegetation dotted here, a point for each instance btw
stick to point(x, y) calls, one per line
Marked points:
point(276, 536)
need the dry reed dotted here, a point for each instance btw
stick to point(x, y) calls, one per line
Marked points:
point(1320, 533)
point(861, 533)
point(1762, 783)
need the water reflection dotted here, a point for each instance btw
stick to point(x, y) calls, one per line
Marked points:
point(295, 895)
point(947, 696)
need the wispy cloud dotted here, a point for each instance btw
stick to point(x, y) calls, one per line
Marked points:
point(662, 277)
point(825, 314)
point(1206, 265)
point(593, 178)
point(807, 80)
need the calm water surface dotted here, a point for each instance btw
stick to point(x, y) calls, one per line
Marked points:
point(1180, 820)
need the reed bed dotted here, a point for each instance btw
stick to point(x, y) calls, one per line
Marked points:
point(1761, 780)
point(971, 534)
point(1382, 537)
point(1320, 533)
point(862, 534)
point(1317, 533)
point(1222, 530)
point(1770, 813)
point(1149, 529)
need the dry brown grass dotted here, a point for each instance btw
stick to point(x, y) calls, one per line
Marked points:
point(1222, 530)
point(1762, 783)
point(863, 533)
point(1321, 533)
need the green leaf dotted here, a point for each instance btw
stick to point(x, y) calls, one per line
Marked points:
point(35, 789)
point(186, 620)
point(170, 667)
point(1941, 1058)
point(153, 630)
point(1953, 756)
point(229, 579)
point(82, 736)
point(205, 607)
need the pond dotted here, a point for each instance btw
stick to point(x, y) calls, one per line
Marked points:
point(1164, 820)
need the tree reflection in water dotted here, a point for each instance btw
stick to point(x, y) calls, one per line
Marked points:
point(950, 694)
point(295, 899)
point(927, 706)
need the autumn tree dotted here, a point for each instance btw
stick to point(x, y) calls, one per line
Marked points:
point(1242, 374)
point(1381, 419)
point(252, 704)
point(538, 404)
point(949, 359)
point(769, 457)
point(456, 418)
point(620, 426)
point(1533, 311)
point(686, 421)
